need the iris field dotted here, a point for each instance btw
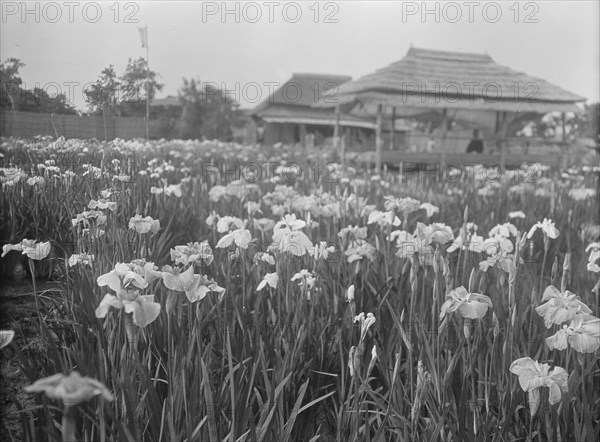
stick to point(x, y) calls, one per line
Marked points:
point(208, 291)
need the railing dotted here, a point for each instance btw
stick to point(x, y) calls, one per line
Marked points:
point(507, 153)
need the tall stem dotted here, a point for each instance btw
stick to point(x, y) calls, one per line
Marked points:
point(68, 425)
point(37, 302)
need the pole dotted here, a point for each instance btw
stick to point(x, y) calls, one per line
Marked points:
point(378, 137)
point(336, 131)
point(147, 85)
point(444, 135)
point(393, 134)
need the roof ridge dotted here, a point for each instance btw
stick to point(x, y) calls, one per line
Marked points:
point(447, 55)
point(309, 74)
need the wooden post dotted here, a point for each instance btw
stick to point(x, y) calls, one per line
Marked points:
point(565, 148)
point(343, 146)
point(393, 133)
point(378, 138)
point(502, 138)
point(444, 134)
point(303, 135)
point(336, 130)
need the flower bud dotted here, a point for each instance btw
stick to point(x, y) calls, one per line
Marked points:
point(554, 269)
point(472, 281)
point(350, 293)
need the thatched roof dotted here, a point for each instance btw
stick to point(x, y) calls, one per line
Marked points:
point(431, 79)
point(293, 102)
point(303, 90)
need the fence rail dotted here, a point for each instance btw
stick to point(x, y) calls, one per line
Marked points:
point(30, 124)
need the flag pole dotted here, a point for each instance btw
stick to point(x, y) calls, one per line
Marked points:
point(147, 84)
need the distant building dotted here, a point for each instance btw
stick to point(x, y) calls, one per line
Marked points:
point(288, 115)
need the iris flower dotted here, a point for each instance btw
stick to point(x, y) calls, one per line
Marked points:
point(270, 279)
point(288, 237)
point(383, 219)
point(144, 225)
point(582, 334)
point(6, 336)
point(102, 204)
point(241, 238)
point(402, 205)
point(430, 209)
point(29, 247)
point(469, 305)
point(560, 307)
point(229, 223)
point(365, 323)
point(126, 280)
point(548, 228)
point(306, 280)
point(196, 287)
point(72, 389)
point(321, 250)
point(192, 253)
point(533, 375)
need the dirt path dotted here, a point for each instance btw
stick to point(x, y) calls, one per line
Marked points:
point(17, 312)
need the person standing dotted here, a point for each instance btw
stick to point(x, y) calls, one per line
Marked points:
point(476, 144)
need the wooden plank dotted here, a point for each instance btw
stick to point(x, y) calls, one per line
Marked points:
point(461, 159)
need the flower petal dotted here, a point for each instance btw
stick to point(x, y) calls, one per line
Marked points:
point(107, 302)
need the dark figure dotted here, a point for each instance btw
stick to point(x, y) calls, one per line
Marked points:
point(476, 144)
point(260, 135)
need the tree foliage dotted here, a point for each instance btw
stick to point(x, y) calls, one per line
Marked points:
point(124, 95)
point(207, 112)
point(103, 95)
point(14, 97)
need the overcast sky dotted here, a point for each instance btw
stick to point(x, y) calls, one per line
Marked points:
point(68, 44)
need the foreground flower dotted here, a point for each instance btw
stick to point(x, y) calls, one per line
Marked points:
point(196, 287)
point(29, 247)
point(469, 305)
point(383, 219)
point(594, 250)
point(72, 389)
point(102, 204)
point(560, 307)
point(423, 381)
point(270, 279)
point(365, 324)
point(127, 280)
point(582, 334)
point(81, 258)
point(517, 214)
point(306, 280)
point(350, 294)
point(241, 238)
point(403, 205)
point(548, 228)
point(144, 225)
point(430, 209)
point(192, 253)
point(533, 375)
point(6, 336)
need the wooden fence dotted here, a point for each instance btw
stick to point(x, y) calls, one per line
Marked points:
point(30, 124)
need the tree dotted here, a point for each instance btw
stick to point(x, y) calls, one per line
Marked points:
point(102, 96)
point(38, 100)
point(577, 125)
point(137, 83)
point(207, 112)
point(10, 82)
